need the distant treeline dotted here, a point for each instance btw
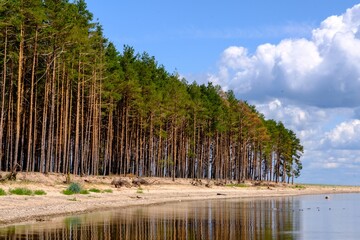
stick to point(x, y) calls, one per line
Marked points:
point(71, 103)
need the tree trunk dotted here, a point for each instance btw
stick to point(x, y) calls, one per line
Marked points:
point(2, 114)
point(19, 95)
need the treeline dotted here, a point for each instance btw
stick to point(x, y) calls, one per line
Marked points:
point(71, 103)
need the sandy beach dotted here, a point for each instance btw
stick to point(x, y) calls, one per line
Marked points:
point(17, 209)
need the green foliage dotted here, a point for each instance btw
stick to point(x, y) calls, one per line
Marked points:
point(108, 190)
point(110, 99)
point(39, 192)
point(140, 190)
point(2, 192)
point(67, 192)
point(74, 188)
point(239, 185)
point(297, 186)
point(84, 191)
point(95, 190)
point(21, 191)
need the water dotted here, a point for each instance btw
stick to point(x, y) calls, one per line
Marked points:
point(303, 217)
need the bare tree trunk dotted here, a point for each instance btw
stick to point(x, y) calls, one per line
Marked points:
point(77, 122)
point(2, 114)
point(30, 137)
point(50, 146)
point(42, 167)
point(19, 95)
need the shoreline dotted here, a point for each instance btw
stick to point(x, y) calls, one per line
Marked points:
point(16, 209)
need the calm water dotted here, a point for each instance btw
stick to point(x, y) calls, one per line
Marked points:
point(305, 217)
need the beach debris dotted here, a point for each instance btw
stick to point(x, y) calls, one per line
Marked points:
point(220, 182)
point(196, 182)
point(140, 181)
point(208, 184)
point(12, 175)
point(221, 194)
point(120, 183)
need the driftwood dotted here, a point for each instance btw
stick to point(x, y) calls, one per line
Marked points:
point(140, 181)
point(220, 182)
point(120, 183)
point(196, 182)
point(12, 175)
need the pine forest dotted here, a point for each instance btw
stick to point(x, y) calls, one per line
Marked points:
point(70, 102)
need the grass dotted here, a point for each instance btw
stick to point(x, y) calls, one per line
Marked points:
point(94, 190)
point(21, 191)
point(108, 190)
point(2, 192)
point(84, 191)
point(241, 185)
point(39, 192)
point(139, 190)
point(297, 186)
point(67, 192)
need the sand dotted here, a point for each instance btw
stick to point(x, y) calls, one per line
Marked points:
point(18, 209)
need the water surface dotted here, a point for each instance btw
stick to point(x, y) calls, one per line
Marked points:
point(303, 217)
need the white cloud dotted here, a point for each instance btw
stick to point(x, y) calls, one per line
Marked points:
point(323, 71)
point(311, 85)
point(344, 136)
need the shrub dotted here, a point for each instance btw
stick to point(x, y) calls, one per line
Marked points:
point(2, 192)
point(72, 189)
point(108, 190)
point(21, 191)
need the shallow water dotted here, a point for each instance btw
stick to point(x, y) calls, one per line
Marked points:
point(303, 217)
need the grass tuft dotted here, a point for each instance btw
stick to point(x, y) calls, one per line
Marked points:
point(139, 190)
point(241, 185)
point(39, 192)
point(2, 192)
point(84, 191)
point(94, 190)
point(108, 190)
point(21, 191)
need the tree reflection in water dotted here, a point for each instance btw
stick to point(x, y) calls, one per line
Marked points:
point(274, 218)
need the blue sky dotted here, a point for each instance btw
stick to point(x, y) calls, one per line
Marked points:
point(297, 61)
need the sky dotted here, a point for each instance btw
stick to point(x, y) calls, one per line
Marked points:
point(297, 61)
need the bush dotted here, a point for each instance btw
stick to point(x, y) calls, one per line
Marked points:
point(21, 191)
point(2, 192)
point(72, 189)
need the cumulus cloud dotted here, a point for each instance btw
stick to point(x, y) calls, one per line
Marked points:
point(323, 71)
point(344, 136)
